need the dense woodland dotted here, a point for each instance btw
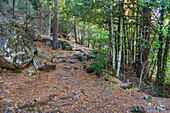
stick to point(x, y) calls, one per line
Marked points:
point(124, 35)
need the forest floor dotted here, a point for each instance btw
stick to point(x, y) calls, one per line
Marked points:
point(69, 88)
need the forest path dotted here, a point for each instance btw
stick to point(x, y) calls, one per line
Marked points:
point(70, 89)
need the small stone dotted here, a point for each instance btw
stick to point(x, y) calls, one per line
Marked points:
point(148, 97)
point(138, 109)
point(56, 109)
point(75, 67)
point(107, 78)
point(150, 109)
point(159, 108)
point(73, 61)
point(83, 91)
point(7, 100)
point(31, 73)
point(9, 110)
point(148, 104)
point(67, 67)
point(163, 106)
point(58, 65)
point(107, 90)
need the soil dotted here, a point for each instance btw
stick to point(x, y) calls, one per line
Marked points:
point(71, 90)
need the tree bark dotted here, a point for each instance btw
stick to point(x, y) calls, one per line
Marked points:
point(161, 59)
point(120, 38)
point(55, 26)
point(13, 10)
point(113, 44)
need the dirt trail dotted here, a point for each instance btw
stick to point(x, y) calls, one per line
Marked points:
point(68, 89)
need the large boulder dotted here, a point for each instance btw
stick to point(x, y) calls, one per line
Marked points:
point(65, 45)
point(16, 48)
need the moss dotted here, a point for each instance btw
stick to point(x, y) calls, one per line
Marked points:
point(113, 82)
point(107, 78)
point(129, 86)
point(18, 70)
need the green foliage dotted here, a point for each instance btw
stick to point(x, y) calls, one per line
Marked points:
point(98, 41)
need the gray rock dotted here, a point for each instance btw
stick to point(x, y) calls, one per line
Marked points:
point(67, 67)
point(148, 104)
point(72, 56)
point(9, 110)
point(150, 109)
point(138, 109)
point(58, 65)
point(47, 42)
point(108, 90)
point(61, 57)
point(16, 48)
point(7, 100)
point(107, 78)
point(148, 97)
point(73, 61)
point(65, 45)
point(41, 65)
point(31, 73)
point(62, 60)
point(81, 57)
point(160, 108)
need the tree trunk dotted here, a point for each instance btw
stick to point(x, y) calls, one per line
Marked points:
point(26, 16)
point(113, 44)
point(75, 31)
point(13, 10)
point(55, 26)
point(121, 35)
point(48, 25)
point(160, 77)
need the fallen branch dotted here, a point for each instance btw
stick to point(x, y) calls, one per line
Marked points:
point(45, 102)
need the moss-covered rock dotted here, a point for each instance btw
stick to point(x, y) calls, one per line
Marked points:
point(16, 48)
point(107, 78)
point(138, 109)
point(42, 65)
point(90, 56)
point(65, 45)
point(89, 69)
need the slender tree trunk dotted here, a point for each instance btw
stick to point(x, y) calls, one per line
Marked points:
point(26, 16)
point(75, 31)
point(55, 26)
point(113, 44)
point(146, 36)
point(48, 25)
point(40, 22)
point(137, 35)
point(162, 59)
point(13, 10)
point(121, 35)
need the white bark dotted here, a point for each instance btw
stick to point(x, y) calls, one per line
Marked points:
point(113, 46)
point(121, 35)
